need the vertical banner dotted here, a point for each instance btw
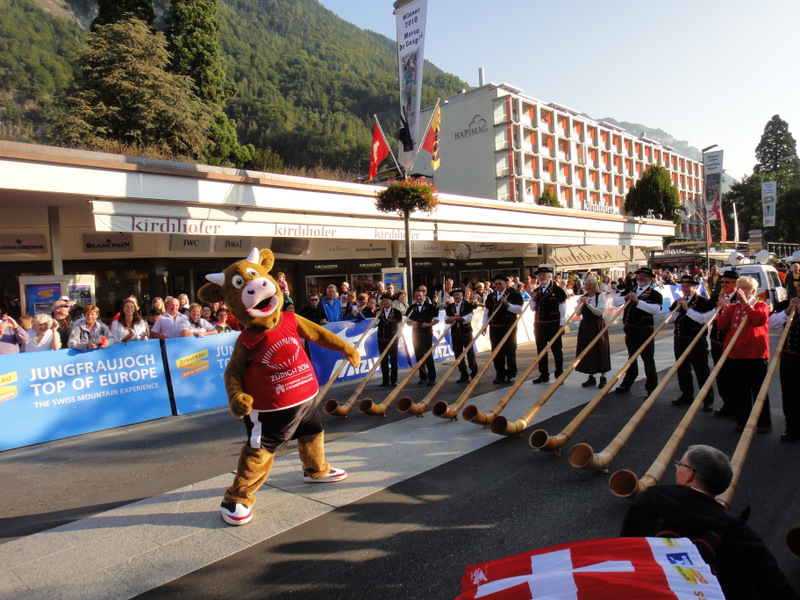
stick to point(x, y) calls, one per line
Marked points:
point(410, 21)
point(712, 169)
point(769, 190)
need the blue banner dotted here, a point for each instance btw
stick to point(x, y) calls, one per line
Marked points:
point(56, 394)
point(326, 361)
point(196, 368)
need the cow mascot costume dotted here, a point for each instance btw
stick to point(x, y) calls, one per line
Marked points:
point(270, 380)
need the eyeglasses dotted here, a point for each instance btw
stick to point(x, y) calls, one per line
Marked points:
point(62, 306)
point(313, 299)
point(678, 464)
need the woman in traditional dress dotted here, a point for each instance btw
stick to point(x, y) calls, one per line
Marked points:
point(598, 359)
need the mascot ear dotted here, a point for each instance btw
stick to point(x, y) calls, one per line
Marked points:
point(267, 259)
point(210, 292)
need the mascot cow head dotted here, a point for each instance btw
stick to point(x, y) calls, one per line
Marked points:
point(252, 296)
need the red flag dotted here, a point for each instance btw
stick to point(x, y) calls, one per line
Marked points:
point(618, 568)
point(431, 143)
point(380, 150)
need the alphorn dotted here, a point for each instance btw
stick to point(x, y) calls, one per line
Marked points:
point(503, 426)
point(332, 407)
point(450, 411)
point(541, 440)
point(406, 405)
point(471, 412)
point(583, 456)
point(624, 483)
point(368, 407)
point(324, 391)
point(737, 460)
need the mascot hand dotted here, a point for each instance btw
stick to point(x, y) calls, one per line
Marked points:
point(353, 356)
point(240, 404)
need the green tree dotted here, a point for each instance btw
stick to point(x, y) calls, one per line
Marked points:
point(112, 11)
point(654, 192)
point(777, 152)
point(123, 95)
point(548, 198)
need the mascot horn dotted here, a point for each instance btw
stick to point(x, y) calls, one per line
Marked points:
point(269, 380)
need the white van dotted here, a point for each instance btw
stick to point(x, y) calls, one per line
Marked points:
point(770, 287)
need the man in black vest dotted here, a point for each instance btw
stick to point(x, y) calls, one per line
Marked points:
point(459, 313)
point(549, 304)
point(423, 315)
point(790, 364)
point(389, 319)
point(693, 312)
point(724, 382)
point(510, 305)
point(643, 303)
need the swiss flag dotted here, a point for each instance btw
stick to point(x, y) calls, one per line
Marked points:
point(380, 150)
point(614, 568)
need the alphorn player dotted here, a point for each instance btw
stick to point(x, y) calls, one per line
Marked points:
point(790, 364)
point(693, 312)
point(736, 554)
point(459, 313)
point(423, 316)
point(727, 284)
point(510, 301)
point(643, 303)
point(389, 319)
point(548, 303)
point(747, 361)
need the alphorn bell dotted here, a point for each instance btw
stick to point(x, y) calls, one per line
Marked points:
point(406, 405)
point(332, 407)
point(624, 483)
point(503, 426)
point(471, 412)
point(324, 391)
point(450, 411)
point(368, 407)
point(737, 460)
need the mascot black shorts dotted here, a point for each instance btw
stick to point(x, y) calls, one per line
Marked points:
point(275, 429)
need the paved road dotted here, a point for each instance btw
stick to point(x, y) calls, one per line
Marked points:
point(135, 509)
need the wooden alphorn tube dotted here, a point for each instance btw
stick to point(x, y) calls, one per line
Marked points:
point(624, 483)
point(332, 407)
point(471, 412)
point(407, 405)
point(541, 440)
point(450, 411)
point(324, 391)
point(503, 426)
point(742, 448)
point(368, 407)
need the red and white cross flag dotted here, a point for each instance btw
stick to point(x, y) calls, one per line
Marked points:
point(618, 568)
point(379, 151)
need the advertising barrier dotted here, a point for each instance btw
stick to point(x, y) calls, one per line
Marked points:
point(57, 394)
point(196, 367)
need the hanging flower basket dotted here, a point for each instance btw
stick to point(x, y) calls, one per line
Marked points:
point(407, 196)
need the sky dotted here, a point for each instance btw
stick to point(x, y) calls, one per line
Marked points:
point(705, 71)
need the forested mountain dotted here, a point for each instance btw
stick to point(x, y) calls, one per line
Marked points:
point(308, 82)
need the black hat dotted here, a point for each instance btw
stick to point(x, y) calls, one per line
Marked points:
point(689, 279)
point(730, 275)
point(645, 271)
point(387, 297)
point(499, 277)
point(456, 289)
point(544, 270)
